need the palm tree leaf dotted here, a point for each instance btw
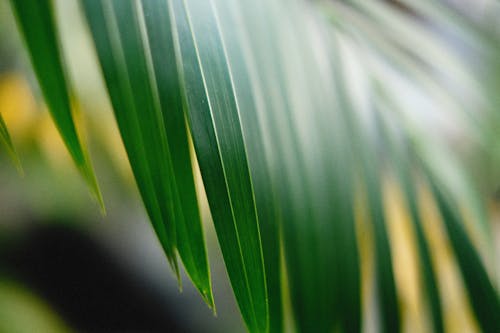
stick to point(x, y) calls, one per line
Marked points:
point(427, 271)
point(387, 293)
point(370, 173)
point(215, 125)
point(190, 240)
point(119, 45)
point(138, 110)
point(316, 211)
point(249, 96)
point(482, 294)
point(160, 142)
point(429, 146)
point(404, 173)
point(384, 272)
point(9, 146)
point(283, 106)
point(36, 23)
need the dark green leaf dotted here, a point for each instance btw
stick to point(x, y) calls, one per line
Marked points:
point(387, 293)
point(483, 296)
point(403, 170)
point(369, 168)
point(120, 48)
point(146, 98)
point(36, 23)
point(190, 240)
point(249, 97)
point(214, 120)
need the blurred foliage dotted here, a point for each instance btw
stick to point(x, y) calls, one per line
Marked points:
point(21, 311)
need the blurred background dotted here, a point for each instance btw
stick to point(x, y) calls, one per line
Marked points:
point(64, 266)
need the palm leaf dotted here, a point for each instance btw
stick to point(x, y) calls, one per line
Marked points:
point(7, 142)
point(296, 110)
point(147, 106)
point(370, 169)
point(36, 22)
point(214, 120)
point(483, 296)
point(404, 173)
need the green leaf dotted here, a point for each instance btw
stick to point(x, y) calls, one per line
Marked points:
point(427, 271)
point(215, 125)
point(308, 160)
point(120, 49)
point(404, 172)
point(249, 95)
point(306, 163)
point(387, 293)
point(22, 310)
point(368, 165)
point(9, 146)
point(283, 112)
point(190, 240)
point(483, 296)
point(36, 23)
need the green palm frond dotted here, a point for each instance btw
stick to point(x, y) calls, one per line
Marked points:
point(36, 22)
point(8, 144)
point(297, 112)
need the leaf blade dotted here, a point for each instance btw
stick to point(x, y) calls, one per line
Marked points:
point(482, 294)
point(9, 145)
point(215, 127)
point(129, 89)
point(36, 22)
point(189, 232)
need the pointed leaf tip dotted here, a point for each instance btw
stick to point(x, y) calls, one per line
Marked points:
point(9, 146)
point(37, 25)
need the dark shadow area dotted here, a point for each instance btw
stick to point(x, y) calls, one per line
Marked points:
point(83, 284)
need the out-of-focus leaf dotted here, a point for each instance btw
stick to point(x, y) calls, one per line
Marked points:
point(36, 22)
point(399, 67)
point(384, 271)
point(249, 95)
point(215, 125)
point(7, 142)
point(307, 160)
point(369, 167)
point(427, 271)
point(23, 311)
point(404, 172)
point(314, 209)
point(483, 296)
point(386, 286)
